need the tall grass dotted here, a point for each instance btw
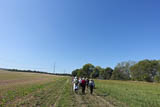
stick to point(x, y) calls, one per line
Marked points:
point(132, 94)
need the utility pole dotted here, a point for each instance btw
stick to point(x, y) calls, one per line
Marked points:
point(54, 68)
point(64, 71)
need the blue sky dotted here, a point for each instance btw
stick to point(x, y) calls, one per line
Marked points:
point(34, 34)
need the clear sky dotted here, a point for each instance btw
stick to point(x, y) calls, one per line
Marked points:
point(34, 34)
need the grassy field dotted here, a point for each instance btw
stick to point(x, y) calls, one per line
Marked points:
point(130, 93)
point(31, 90)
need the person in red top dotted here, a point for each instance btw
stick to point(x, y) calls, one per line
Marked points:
point(83, 85)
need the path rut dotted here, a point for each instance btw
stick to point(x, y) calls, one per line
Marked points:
point(89, 100)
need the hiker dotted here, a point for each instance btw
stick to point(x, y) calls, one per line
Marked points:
point(87, 82)
point(91, 85)
point(75, 84)
point(80, 82)
point(83, 84)
point(73, 79)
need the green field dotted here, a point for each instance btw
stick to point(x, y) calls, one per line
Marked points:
point(19, 89)
point(130, 93)
point(31, 89)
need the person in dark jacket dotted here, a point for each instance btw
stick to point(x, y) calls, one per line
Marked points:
point(87, 82)
point(91, 85)
point(83, 84)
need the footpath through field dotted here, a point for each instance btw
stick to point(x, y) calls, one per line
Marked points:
point(89, 100)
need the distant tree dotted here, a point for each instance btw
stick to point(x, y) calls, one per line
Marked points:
point(96, 72)
point(75, 72)
point(122, 71)
point(157, 78)
point(118, 74)
point(145, 70)
point(81, 73)
point(107, 73)
point(88, 69)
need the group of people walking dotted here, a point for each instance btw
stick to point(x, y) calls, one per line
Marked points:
point(83, 83)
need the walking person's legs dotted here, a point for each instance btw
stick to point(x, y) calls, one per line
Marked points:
point(91, 89)
point(82, 90)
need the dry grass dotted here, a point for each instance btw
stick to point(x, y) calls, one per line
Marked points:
point(16, 87)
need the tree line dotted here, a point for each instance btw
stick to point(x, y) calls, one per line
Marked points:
point(144, 70)
point(40, 72)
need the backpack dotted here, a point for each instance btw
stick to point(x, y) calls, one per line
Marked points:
point(92, 83)
point(83, 82)
point(76, 82)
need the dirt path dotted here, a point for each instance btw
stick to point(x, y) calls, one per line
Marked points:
point(60, 94)
point(89, 100)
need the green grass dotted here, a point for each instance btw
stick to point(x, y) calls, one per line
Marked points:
point(129, 93)
point(46, 96)
point(21, 92)
point(30, 89)
point(66, 96)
